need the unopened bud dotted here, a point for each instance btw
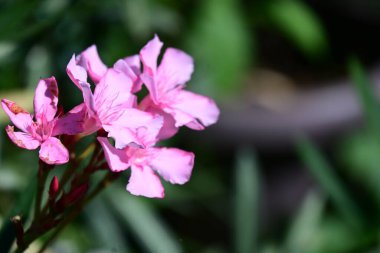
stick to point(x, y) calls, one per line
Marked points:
point(54, 186)
point(73, 196)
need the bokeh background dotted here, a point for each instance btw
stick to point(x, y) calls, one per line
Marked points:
point(293, 164)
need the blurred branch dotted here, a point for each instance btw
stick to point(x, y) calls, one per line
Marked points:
point(321, 113)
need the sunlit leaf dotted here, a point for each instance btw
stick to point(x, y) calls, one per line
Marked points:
point(301, 236)
point(360, 155)
point(329, 181)
point(335, 235)
point(142, 221)
point(221, 45)
point(105, 227)
point(300, 24)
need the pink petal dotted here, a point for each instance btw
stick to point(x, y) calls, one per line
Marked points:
point(91, 122)
point(112, 95)
point(132, 71)
point(175, 69)
point(88, 99)
point(123, 136)
point(151, 86)
point(116, 158)
point(90, 125)
point(168, 128)
point(144, 182)
point(23, 140)
point(72, 122)
point(123, 66)
point(133, 62)
point(53, 152)
point(149, 54)
point(76, 72)
point(173, 164)
point(46, 99)
point(92, 62)
point(144, 127)
point(19, 117)
point(193, 110)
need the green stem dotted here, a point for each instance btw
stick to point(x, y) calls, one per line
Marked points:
point(110, 177)
point(73, 166)
point(37, 227)
point(43, 172)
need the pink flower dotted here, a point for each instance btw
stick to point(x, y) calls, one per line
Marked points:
point(174, 165)
point(89, 62)
point(167, 97)
point(111, 106)
point(41, 132)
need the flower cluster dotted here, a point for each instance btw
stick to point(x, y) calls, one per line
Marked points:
point(110, 104)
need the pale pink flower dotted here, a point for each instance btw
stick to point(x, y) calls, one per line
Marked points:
point(111, 106)
point(90, 62)
point(145, 160)
point(173, 165)
point(166, 95)
point(41, 132)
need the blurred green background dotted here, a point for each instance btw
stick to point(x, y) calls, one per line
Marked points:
point(292, 165)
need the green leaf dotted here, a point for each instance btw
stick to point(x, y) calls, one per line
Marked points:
point(152, 233)
point(299, 23)
point(221, 46)
point(301, 236)
point(333, 231)
point(329, 181)
point(367, 96)
point(246, 202)
point(360, 156)
point(108, 237)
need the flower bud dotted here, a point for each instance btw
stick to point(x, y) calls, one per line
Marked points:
point(73, 196)
point(54, 186)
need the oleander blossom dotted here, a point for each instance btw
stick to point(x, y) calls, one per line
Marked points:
point(137, 130)
point(173, 164)
point(166, 90)
point(128, 130)
point(112, 106)
point(42, 131)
